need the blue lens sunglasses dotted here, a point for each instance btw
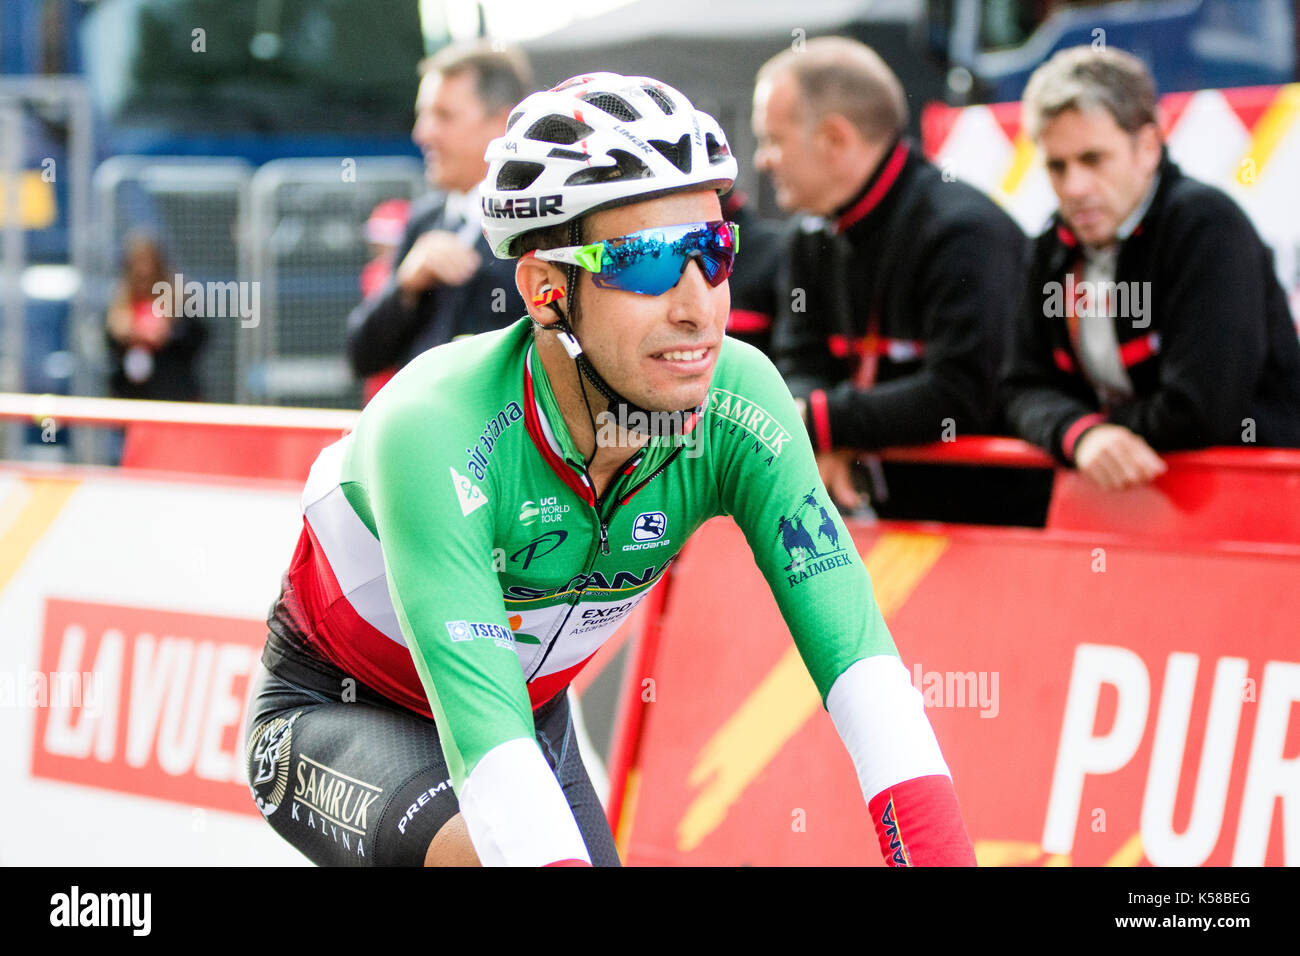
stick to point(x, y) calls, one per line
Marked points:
point(652, 261)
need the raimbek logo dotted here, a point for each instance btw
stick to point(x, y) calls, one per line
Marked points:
point(268, 762)
point(805, 560)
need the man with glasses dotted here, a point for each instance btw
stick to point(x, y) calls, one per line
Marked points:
point(506, 501)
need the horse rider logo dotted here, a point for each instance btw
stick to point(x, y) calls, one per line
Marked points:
point(798, 541)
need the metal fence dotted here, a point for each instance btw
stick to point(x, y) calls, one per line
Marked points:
point(195, 209)
point(45, 164)
point(308, 249)
point(287, 239)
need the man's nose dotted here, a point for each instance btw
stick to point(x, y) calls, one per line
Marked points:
point(1076, 182)
point(691, 299)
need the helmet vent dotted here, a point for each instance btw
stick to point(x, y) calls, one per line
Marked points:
point(514, 118)
point(613, 105)
point(718, 152)
point(658, 96)
point(518, 175)
point(678, 153)
point(626, 166)
point(557, 128)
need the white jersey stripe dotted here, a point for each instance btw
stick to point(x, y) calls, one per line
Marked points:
point(881, 718)
point(353, 553)
point(541, 413)
point(515, 811)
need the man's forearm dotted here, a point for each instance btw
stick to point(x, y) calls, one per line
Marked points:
point(912, 410)
point(380, 329)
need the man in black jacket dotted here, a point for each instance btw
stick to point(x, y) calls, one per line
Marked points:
point(900, 294)
point(1153, 319)
point(447, 282)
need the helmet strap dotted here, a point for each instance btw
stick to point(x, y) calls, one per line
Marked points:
point(625, 411)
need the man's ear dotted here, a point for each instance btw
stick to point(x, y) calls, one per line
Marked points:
point(1149, 146)
point(539, 282)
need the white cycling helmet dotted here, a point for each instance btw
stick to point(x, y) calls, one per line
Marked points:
point(596, 141)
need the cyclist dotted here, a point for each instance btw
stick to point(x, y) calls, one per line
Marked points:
point(506, 500)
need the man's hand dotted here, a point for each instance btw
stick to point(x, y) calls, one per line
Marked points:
point(438, 257)
point(1112, 457)
point(836, 468)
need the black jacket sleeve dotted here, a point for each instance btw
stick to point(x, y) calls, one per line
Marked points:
point(962, 291)
point(1212, 336)
point(1040, 400)
point(803, 311)
point(381, 327)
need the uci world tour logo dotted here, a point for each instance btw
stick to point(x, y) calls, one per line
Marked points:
point(801, 544)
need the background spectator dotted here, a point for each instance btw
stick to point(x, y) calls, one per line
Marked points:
point(754, 278)
point(1153, 319)
point(447, 281)
point(153, 346)
point(384, 230)
point(896, 310)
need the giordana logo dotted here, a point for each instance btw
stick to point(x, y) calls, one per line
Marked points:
point(549, 510)
point(649, 526)
point(648, 531)
point(102, 909)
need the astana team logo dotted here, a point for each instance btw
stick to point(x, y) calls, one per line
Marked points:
point(268, 762)
point(800, 539)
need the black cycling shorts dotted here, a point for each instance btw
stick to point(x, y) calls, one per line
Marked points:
point(353, 779)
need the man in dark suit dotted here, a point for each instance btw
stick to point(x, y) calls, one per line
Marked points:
point(447, 282)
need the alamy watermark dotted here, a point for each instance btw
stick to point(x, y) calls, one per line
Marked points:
point(663, 428)
point(61, 689)
point(1123, 300)
point(958, 689)
point(209, 300)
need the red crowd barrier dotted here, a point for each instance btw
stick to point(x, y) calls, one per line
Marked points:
point(1116, 688)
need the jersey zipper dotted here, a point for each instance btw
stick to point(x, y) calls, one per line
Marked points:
point(603, 522)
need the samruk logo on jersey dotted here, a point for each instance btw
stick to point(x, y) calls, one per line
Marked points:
point(733, 412)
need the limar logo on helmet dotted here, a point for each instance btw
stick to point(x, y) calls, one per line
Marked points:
point(524, 207)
